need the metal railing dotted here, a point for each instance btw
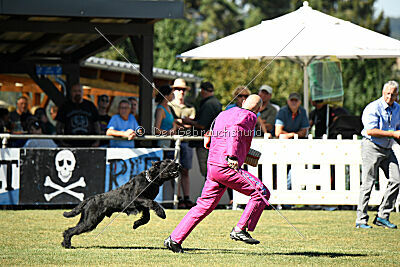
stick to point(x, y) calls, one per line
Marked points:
point(177, 138)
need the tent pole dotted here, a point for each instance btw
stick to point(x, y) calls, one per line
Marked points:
point(306, 97)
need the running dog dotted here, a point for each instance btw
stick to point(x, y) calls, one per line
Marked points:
point(135, 196)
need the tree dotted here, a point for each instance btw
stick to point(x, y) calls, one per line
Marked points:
point(172, 37)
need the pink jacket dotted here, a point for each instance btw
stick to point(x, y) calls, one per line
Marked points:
point(231, 136)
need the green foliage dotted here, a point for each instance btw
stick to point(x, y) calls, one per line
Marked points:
point(124, 48)
point(208, 20)
point(284, 76)
point(172, 37)
point(364, 80)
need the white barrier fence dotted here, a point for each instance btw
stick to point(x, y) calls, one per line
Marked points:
point(323, 172)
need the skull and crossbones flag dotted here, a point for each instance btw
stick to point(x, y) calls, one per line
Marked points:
point(60, 176)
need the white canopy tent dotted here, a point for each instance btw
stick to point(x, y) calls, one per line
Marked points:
point(302, 35)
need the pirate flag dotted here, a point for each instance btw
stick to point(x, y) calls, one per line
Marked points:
point(60, 176)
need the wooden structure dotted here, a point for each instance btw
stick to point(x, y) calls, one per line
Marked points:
point(60, 34)
point(99, 76)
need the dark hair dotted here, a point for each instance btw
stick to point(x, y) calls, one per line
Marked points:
point(33, 122)
point(39, 112)
point(22, 97)
point(207, 86)
point(3, 112)
point(163, 91)
point(132, 98)
point(102, 97)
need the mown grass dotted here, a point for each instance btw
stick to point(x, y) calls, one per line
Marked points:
point(33, 237)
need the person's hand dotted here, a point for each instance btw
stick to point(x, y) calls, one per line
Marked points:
point(232, 163)
point(396, 134)
point(284, 136)
point(130, 134)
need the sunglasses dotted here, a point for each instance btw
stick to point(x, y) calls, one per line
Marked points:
point(180, 89)
point(245, 96)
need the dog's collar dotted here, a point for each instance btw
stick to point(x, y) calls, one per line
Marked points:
point(148, 177)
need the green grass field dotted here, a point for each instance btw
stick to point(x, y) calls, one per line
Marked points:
point(33, 237)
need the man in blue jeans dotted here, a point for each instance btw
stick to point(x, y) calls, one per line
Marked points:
point(381, 119)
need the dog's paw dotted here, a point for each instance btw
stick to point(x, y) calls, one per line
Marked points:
point(66, 244)
point(161, 213)
point(136, 225)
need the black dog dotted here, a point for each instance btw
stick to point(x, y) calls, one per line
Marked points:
point(95, 208)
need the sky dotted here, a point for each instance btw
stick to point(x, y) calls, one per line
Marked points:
point(391, 8)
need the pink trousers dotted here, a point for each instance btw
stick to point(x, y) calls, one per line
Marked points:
point(218, 179)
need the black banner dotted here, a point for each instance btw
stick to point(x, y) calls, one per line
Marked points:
point(61, 176)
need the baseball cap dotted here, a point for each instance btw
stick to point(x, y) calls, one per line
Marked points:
point(295, 96)
point(266, 88)
point(207, 86)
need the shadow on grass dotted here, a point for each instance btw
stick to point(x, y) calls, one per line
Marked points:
point(322, 254)
point(235, 251)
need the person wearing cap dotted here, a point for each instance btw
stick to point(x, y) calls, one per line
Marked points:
point(292, 119)
point(268, 111)
point(34, 126)
point(181, 110)
point(209, 109)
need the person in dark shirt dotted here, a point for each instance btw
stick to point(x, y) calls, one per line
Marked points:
point(19, 116)
point(103, 103)
point(78, 116)
point(209, 109)
point(5, 126)
point(47, 127)
point(318, 117)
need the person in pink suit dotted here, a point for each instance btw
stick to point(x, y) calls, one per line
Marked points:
point(230, 143)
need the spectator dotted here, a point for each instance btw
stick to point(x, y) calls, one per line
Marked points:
point(19, 116)
point(123, 124)
point(53, 112)
point(78, 116)
point(209, 109)
point(103, 103)
point(381, 119)
point(5, 126)
point(240, 94)
point(318, 117)
point(47, 127)
point(291, 119)
point(134, 104)
point(181, 110)
point(268, 111)
point(34, 126)
point(164, 124)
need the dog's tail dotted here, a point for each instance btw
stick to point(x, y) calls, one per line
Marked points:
point(77, 210)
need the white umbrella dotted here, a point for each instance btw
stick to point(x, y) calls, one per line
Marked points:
point(319, 36)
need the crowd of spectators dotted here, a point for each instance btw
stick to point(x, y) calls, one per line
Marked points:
point(173, 115)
